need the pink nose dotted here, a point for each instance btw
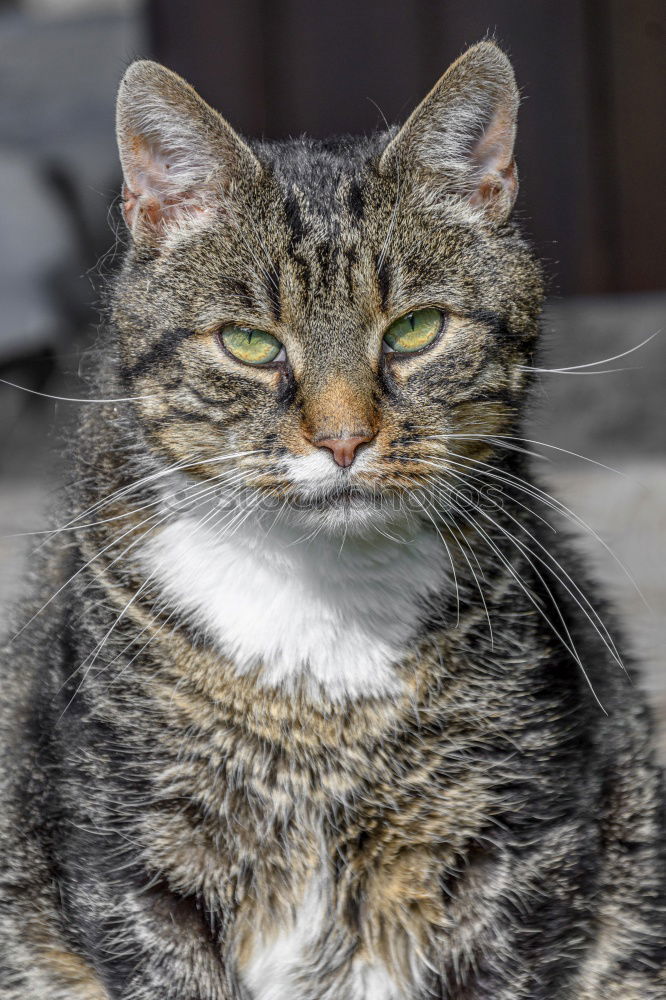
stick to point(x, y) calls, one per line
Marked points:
point(344, 449)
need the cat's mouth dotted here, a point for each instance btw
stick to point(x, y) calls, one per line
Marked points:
point(339, 497)
point(332, 497)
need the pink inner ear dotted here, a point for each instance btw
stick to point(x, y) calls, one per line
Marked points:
point(496, 184)
point(493, 150)
point(160, 187)
point(497, 187)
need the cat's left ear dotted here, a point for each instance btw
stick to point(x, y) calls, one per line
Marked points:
point(462, 134)
point(179, 156)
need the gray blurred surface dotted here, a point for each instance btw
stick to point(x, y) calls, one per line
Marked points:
point(58, 162)
point(627, 510)
point(602, 411)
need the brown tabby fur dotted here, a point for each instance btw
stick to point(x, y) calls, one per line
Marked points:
point(488, 833)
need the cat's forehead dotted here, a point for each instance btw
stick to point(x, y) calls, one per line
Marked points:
point(322, 183)
point(312, 244)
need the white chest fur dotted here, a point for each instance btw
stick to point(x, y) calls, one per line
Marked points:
point(305, 960)
point(340, 614)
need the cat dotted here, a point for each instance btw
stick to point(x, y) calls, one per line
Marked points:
point(312, 701)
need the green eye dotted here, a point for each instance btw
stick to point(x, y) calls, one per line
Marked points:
point(414, 331)
point(254, 347)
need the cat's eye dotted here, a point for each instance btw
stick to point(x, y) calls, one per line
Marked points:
point(414, 332)
point(253, 347)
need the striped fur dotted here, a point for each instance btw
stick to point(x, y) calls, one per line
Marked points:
point(281, 729)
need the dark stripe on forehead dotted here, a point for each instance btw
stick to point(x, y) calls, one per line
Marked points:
point(304, 271)
point(383, 282)
point(326, 255)
point(351, 257)
point(355, 201)
point(294, 218)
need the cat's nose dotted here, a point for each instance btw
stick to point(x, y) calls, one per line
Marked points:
point(344, 448)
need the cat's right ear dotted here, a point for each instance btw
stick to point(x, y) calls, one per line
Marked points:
point(459, 141)
point(179, 156)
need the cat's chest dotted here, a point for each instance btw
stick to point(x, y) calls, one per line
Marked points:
point(306, 947)
point(285, 967)
point(340, 615)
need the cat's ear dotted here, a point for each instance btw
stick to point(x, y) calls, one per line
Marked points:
point(178, 155)
point(462, 134)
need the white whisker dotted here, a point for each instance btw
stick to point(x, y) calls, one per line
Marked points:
point(568, 642)
point(576, 369)
point(73, 399)
point(594, 618)
point(448, 552)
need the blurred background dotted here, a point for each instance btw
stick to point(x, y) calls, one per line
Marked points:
point(591, 154)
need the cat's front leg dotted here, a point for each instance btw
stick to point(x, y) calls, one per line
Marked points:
point(149, 943)
point(40, 962)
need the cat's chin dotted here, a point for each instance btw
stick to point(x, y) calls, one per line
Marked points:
point(357, 518)
point(349, 511)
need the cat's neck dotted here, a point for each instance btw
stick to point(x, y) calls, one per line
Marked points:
point(337, 612)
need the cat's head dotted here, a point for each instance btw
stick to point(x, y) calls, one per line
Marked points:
point(329, 325)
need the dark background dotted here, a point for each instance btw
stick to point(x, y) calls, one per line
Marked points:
point(591, 156)
point(592, 142)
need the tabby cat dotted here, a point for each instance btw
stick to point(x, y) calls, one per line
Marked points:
point(314, 703)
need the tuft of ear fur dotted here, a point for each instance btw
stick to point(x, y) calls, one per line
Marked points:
point(462, 134)
point(178, 155)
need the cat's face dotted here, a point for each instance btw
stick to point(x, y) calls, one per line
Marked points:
point(317, 324)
